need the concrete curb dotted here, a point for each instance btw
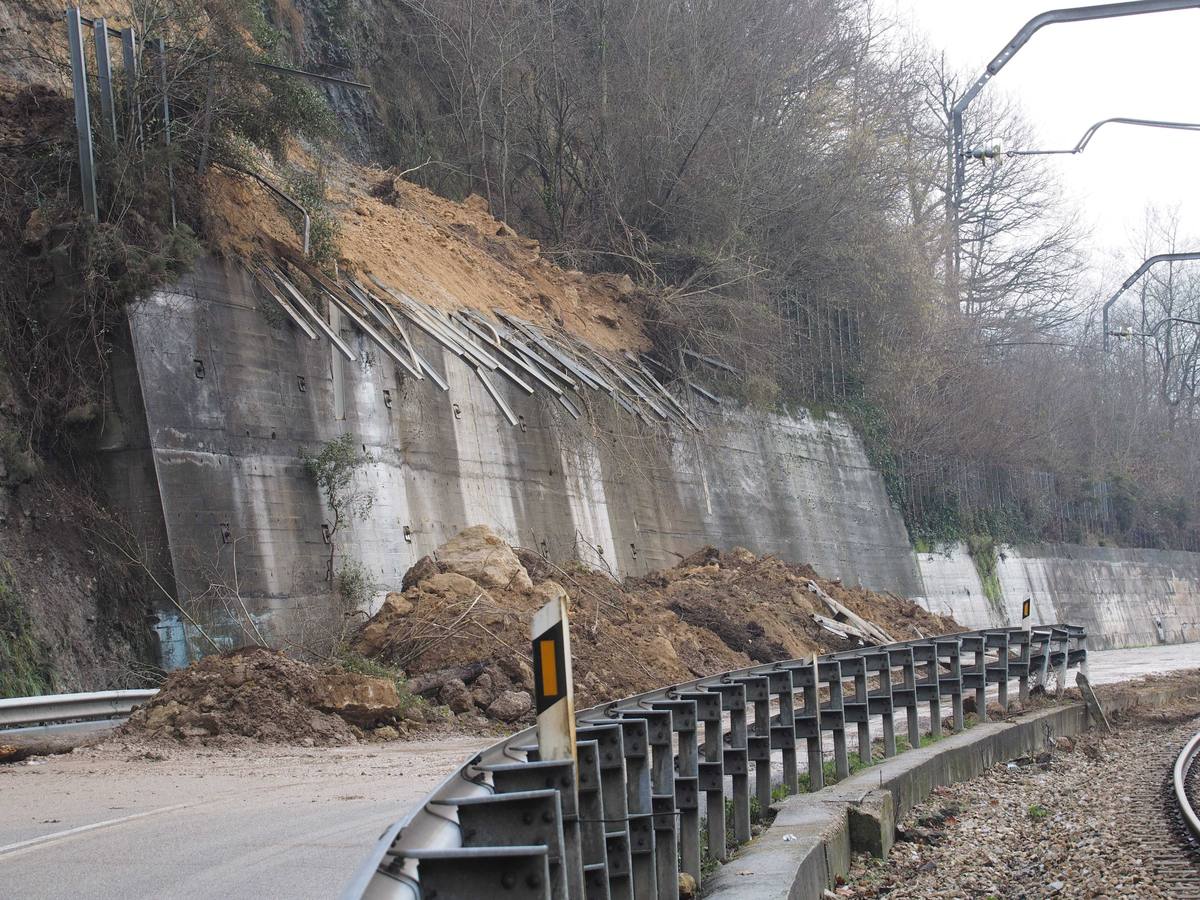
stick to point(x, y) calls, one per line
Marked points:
point(809, 844)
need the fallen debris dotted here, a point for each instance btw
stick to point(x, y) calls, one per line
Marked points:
point(266, 696)
point(459, 627)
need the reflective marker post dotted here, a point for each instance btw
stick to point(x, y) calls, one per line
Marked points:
point(553, 688)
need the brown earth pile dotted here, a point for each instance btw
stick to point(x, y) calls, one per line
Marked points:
point(266, 696)
point(462, 635)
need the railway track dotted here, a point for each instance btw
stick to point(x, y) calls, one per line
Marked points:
point(1172, 851)
point(1185, 794)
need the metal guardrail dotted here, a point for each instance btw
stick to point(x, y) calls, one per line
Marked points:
point(20, 711)
point(510, 824)
point(1183, 768)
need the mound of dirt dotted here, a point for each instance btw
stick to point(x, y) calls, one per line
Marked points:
point(266, 696)
point(465, 645)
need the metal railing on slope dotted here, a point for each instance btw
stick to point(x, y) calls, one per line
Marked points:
point(508, 823)
point(23, 711)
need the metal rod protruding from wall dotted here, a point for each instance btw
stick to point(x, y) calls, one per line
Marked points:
point(83, 119)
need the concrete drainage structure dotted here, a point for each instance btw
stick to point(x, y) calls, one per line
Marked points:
point(510, 823)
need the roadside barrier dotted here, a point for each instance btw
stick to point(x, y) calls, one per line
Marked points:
point(25, 711)
point(509, 824)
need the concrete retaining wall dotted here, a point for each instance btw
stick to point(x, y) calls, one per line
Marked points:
point(1125, 598)
point(217, 398)
point(226, 418)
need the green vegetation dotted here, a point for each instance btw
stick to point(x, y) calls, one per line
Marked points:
point(333, 468)
point(1037, 812)
point(362, 665)
point(26, 666)
point(982, 549)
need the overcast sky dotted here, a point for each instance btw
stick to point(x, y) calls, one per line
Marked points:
point(1070, 76)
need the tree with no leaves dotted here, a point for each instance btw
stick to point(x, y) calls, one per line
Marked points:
point(333, 469)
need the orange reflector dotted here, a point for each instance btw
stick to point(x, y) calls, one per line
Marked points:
point(549, 672)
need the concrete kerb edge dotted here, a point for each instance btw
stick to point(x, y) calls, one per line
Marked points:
point(817, 826)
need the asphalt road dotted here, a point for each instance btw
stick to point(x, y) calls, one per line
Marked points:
point(117, 822)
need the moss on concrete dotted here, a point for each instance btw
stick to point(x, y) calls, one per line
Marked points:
point(25, 665)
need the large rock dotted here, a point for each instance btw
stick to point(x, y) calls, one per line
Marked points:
point(425, 567)
point(455, 695)
point(374, 637)
point(479, 553)
point(359, 699)
point(510, 706)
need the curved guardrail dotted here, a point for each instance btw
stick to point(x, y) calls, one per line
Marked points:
point(628, 821)
point(1183, 767)
point(22, 711)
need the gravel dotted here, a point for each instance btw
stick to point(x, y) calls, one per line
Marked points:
point(1084, 819)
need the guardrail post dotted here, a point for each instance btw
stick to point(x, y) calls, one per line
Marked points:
point(928, 688)
point(758, 742)
point(640, 803)
point(951, 682)
point(832, 718)
point(615, 802)
point(712, 769)
point(1062, 656)
point(1018, 665)
point(591, 822)
point(906, 693)
point(556, 775)
point(734, 756)
point(524, 819)
point(879, 701)
point(997, 672)
point(687, 801)
point(783, 729)
point(974, 674)
point(662, 786)
point(857, 706)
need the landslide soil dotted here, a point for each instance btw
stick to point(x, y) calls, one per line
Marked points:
point(262, 695)
point(713, 612)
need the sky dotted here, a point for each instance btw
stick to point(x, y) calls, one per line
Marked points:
point(1069, 76)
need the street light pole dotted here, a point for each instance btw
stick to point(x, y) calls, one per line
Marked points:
point(1051, 17)
point(1141, 270)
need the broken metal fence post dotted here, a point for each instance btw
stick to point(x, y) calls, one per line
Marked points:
point(83, 120)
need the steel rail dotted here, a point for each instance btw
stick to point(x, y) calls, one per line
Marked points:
point(1183, 767)
point(20, 711)
point(944, 666)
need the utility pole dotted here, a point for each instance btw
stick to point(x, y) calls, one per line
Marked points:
point(1051, 17)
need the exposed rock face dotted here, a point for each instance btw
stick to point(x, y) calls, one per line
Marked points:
point(480, 554)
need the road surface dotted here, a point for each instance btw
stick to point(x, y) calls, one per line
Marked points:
point(119, 823)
